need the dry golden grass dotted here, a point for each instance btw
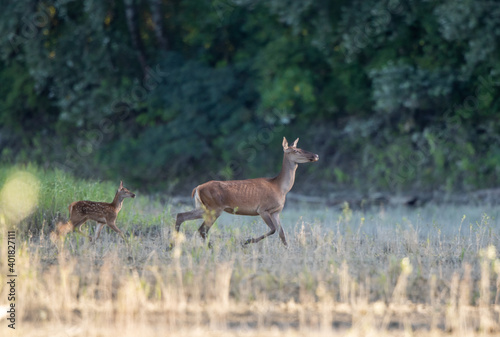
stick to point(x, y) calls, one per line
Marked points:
point(433, 271)
point(429, 272)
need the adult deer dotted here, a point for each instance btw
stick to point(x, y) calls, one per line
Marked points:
point(261, 196)
point(102, 212)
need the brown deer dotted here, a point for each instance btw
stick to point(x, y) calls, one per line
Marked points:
point(261, 196)
point(102, 212)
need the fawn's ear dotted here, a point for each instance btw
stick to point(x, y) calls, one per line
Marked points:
point(285, 143)
point(121, 184)
point(295, 142)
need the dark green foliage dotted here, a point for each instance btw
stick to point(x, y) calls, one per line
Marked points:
point(393, 94)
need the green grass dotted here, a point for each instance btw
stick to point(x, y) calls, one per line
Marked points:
point(58, 189)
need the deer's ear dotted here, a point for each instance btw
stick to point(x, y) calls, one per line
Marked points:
point(121, 184)
point(285, 144)
point(295, 142)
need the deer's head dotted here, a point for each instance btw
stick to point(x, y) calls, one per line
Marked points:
point(297, 155)
point(125, 193)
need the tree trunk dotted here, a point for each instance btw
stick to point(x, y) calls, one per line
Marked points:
point(156, 14)
point(131, 15)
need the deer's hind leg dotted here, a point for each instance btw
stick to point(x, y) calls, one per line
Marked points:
point(210, 217)
point(78, 227)
point(191, 215)
point(100, 226)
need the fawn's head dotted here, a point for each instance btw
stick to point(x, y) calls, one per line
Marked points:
point(125, 193)
point(297, 155)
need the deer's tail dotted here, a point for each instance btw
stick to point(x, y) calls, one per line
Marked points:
point(196, 197)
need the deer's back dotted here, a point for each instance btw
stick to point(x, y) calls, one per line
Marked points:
point(93, 210)
point(244, 197)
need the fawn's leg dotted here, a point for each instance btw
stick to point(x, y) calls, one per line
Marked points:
point(98, 230)
point(112, 225)
point(78, 227)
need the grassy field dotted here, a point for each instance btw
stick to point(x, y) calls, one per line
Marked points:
point(430, 271)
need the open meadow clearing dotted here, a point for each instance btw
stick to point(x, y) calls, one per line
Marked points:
point(400, 271)
point(152, 182)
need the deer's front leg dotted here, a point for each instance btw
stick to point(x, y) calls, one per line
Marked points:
point(112, 225)
point(269, 222)
point(277, 224)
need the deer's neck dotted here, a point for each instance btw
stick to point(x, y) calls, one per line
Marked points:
point(286, 177)
point(117, 201)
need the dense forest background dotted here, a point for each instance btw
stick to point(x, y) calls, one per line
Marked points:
point(393, 95)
